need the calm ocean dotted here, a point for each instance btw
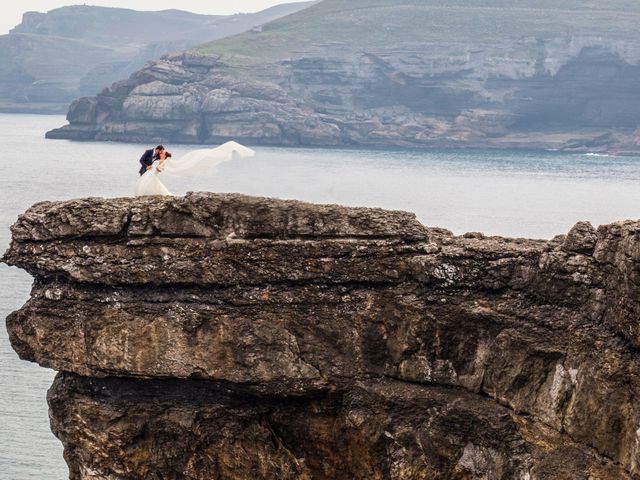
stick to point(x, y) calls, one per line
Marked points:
point(503, 193)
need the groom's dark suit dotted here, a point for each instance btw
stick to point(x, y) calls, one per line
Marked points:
point(147, 160)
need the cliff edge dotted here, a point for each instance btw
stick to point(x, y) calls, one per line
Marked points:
point(234, 337)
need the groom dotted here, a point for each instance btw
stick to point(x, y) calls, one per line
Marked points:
point(148, 157)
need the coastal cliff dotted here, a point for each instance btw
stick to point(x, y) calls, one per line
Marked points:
point(522, 74)
point(52, 58)
point(234, 337)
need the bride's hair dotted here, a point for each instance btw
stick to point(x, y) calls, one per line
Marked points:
point(168, 155)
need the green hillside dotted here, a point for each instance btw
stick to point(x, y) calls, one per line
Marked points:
point(359, 24)
point(54, 57)
point(113, 26)
point(121, 26)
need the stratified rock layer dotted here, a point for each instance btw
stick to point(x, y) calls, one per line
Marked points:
point(403, 96)
point(233, 337)
point(532, 74)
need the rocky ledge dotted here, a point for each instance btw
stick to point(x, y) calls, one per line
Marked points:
point(233, 337)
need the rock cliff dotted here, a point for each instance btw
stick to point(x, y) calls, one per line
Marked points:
point(233, 337)
point(396, 73)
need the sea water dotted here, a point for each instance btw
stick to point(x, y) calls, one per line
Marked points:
point(511, 193)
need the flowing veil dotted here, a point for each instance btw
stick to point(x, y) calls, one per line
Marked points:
point(198, 160)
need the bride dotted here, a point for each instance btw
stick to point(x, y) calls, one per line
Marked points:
point(192, 163)
point(149, 183)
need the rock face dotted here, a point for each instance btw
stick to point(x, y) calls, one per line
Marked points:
point(570, 86)
point(383, 97)
point(233, 337)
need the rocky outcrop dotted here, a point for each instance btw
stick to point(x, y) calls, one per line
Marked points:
point(225, 336)
point(184, 100)
point(374, 99)
point(569, 87)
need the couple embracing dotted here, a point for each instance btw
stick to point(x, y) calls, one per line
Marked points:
point(157, 160)
point(152, 163)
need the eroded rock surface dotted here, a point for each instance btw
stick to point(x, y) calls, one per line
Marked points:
point(233, 337)
point(405, 96)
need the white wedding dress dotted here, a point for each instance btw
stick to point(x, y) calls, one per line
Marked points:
point(192, 163)
point(149, 183)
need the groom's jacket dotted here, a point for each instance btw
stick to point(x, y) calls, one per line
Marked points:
point(147, 160)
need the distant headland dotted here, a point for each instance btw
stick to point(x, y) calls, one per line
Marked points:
point(397, 73)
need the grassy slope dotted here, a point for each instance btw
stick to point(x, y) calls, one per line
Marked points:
point(71, 58)
point(63, 45)
point(114, 26)
point(381, 23)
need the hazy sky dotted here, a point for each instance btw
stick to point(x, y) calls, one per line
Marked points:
point(11, 12)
